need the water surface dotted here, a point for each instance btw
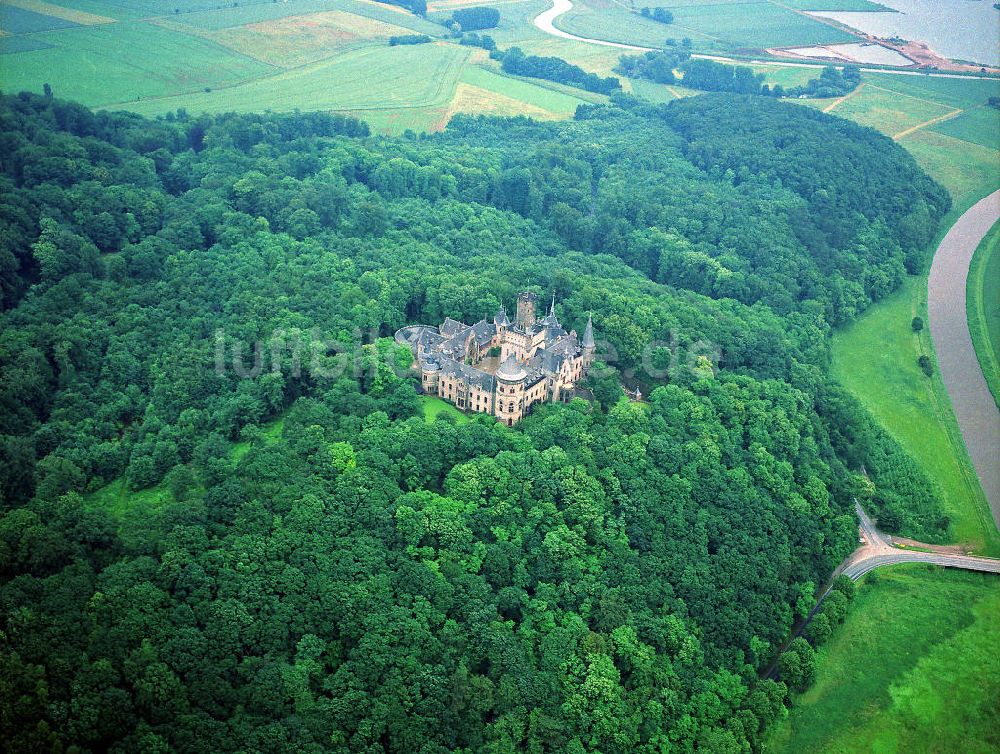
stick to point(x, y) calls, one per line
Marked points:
point(957, 29)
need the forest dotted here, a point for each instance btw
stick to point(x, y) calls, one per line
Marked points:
point(324, 568)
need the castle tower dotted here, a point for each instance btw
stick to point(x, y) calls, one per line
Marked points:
point(509, 399)
point(500, 319)
point(430, 374)
point(526, 309)
point(588, 343)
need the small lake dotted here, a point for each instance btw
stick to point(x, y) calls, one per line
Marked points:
point(957, 29)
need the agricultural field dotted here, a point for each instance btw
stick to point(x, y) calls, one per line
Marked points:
point(122, 62)
point(913, 669)
point(659, 92)
point(367, 79)
point(983, 308)
point(716, 27)
point(892, 113)
point(223, 18)
point(297, 40)
point(841, 5)
point(556, 101)
point(15, 20)
point(980, 125)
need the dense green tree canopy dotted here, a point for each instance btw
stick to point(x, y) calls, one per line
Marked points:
point(227, 525)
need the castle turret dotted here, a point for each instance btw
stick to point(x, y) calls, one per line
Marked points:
point(430, 374)
point(589, 345)
point(500, 318)
point(509, 400)
point(526, 309)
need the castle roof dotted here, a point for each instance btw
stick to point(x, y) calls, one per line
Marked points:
point(451, 327)
point(511, 370)
point(484, 332)
point(588, 334)
point(500, 318)
point(469, 375)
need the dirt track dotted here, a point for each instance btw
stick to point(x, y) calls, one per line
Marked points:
point(977, 413)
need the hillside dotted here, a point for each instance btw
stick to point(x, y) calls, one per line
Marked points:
point(200, 552)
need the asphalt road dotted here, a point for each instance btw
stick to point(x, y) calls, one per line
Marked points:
point(975, 409)
point(878, 550)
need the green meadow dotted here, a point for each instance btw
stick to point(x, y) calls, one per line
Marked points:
point(371, 78)
point(713, 27)
point(122, 62)
point(913, 670)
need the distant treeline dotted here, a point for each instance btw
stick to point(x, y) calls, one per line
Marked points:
point(658, 14)
point(712, 76)
point(409, 39)
point(514, 61)
point(478, 40)
point(477, 18)
point(655, 66)
point(418, 7)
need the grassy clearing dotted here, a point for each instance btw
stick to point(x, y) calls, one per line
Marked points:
point(118, 500)
point(298, 40)
point(99, 65)
point(913, 669)
point(433, 407)
point(371, 79)
point(983, 308)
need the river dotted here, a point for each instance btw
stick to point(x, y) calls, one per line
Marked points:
point(975, 409)
point(958, 29)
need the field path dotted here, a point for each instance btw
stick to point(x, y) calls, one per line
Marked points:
point(546, 22)
point(975, 409)
point(841, 100)
point(926, 123)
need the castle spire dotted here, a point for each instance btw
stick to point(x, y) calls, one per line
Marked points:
point(552, 309)
point(588, 333)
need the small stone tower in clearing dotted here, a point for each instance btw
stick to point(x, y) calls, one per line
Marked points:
point(526, 309)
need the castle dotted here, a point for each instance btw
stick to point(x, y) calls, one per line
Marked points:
point(501, 367)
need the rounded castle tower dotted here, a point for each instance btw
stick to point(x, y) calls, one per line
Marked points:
point(430, 374)
point(509, 399)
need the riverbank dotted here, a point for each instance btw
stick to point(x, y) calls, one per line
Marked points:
point(973, 404)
